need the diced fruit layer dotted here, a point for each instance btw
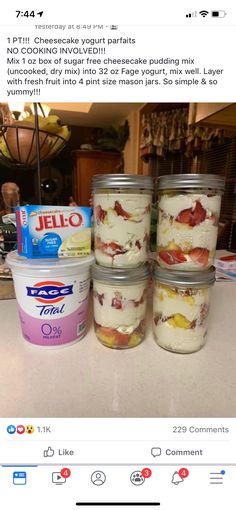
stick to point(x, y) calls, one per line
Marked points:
point(199, 256)
point(113, 338)
point(172, 293)
point(179, 321)
point(172, 257)
point(111, 248)
point(193, 216)
point(120, 211)
point(101, 214)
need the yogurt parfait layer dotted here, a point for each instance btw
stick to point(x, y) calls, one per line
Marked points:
point(180, 309)
point(188, 217)
point(122, 217)
point(120, 301)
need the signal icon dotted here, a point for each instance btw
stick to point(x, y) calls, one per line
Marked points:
point(191, 14)
point(203, 13)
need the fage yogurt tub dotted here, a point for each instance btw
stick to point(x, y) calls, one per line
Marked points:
point(52, 297)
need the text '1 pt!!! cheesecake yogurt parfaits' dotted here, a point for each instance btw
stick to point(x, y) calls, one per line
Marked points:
point(120, 301)
point(180, 308)
point(122, 217)
point(188, 217)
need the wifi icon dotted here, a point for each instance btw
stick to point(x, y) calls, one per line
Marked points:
point(204, 13)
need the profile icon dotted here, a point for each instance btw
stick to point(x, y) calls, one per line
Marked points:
point(98, 478)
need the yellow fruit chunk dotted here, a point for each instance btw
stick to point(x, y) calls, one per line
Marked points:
point(170, 292)
point(189, 300)
point(172, 246)
point(179, 321)
point(135, 339)
point(105, 338)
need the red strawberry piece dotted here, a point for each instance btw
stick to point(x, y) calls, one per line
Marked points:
point(138, 244)
point(108, 247)
point(121, 338)
point(193, 216)
point(172, 256)
point(116, 303)
point(148, 208)
point(120, 211)
point(184, 216)
point(105, 331)
point(100, 214)
point(116, 248)
point(199, 255)
point(199, 214)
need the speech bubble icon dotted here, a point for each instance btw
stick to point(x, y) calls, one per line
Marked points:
point(156, 452)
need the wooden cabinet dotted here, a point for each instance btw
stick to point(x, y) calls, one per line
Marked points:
point(87, 164)
point(222, 115)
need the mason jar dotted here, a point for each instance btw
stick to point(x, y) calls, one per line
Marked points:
point(188, 217)
point(122, 218)
point(180, 308)
point(120, 301)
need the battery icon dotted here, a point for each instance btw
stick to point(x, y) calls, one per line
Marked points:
point(218, 14)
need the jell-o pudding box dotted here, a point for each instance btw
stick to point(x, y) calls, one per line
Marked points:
point(53, 231)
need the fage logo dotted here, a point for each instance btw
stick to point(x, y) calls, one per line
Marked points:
point(49, 292)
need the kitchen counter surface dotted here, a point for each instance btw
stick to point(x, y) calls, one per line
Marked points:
point(90, 380)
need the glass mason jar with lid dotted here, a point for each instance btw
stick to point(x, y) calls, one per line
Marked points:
point(188, 217)
point(122, 218)
point(180, 308)
point(120, 300)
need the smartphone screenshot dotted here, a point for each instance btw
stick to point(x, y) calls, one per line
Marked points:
point(117, 255)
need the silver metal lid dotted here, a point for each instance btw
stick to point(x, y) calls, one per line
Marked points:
point(191, 181)
point(122, 181)
point(185, 278)
point(120, 276)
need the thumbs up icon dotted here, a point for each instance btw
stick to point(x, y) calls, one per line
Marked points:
point(49, 452)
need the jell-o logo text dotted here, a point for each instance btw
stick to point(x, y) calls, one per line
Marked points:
point(53, 221)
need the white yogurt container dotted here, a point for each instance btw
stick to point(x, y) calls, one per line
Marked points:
point(188, 217)
point(122, 219)
point(180, 308)
point(52, 297)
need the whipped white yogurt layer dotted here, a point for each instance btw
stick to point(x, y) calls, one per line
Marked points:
point(203, 235)
point(179, 317)
point(187, 230)
point(173, 205)
point(121, 307)
point(122, 228)
point(179, 340)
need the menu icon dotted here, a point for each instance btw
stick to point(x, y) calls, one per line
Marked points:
point(217, 477)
